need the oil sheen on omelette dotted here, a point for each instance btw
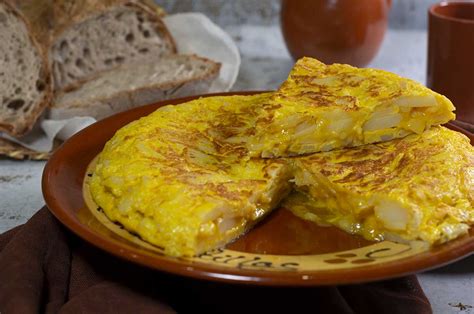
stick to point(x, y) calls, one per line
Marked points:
point(171, 178)
point(323, 107)
point(419, 188)
point(191, 177)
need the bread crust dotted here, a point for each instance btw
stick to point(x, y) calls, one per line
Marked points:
point(103, 107)
point(20, 128)
point(69, 12)
point(40, 15)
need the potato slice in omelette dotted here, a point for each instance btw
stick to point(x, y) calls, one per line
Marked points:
point(323, 107)
point(181, 178)
point(420, 187)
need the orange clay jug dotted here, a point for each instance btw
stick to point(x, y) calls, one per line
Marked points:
point(335, 31)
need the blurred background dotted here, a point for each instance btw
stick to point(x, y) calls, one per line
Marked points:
point(405, 14)
point(255, 27)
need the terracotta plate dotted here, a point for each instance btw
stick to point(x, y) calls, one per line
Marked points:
point(282, 250)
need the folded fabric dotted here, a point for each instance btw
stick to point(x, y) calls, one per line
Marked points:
point(46, 269)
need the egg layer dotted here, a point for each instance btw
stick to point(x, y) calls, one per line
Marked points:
point(192, 177)
point(323, 107)
point(181, 177)
point(420, 187)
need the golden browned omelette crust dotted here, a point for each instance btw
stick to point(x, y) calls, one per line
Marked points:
point(191, 177)
point(323, 107)
point(181, 178)
point(416, 188)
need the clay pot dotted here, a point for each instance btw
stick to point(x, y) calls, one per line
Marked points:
point(342, 31)
point(451, 56)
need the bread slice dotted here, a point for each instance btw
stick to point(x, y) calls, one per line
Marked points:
point(137, 84)
point(50, 17)
point(96, 42)
point(25, 85)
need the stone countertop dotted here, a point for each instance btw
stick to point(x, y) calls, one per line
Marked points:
point(265, 64)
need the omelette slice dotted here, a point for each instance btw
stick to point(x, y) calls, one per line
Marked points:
point(181, 178)
point(419, 188)
point(323, 107)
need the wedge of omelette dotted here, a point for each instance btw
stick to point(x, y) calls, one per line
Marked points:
point(419, 188)
point(323, 107)
point(181, 177)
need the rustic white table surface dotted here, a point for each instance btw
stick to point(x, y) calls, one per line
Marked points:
point(265, 64)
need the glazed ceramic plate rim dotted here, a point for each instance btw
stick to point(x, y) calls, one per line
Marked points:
point(67, 157)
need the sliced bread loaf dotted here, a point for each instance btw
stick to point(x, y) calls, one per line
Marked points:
point(97, 42)
point(25, 85)
point(137, 84)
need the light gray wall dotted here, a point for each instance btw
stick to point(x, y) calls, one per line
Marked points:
point(405, 14)
point(408, 14)
point(229, 12)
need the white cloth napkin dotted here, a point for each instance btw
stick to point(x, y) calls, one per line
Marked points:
point(193, 33)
